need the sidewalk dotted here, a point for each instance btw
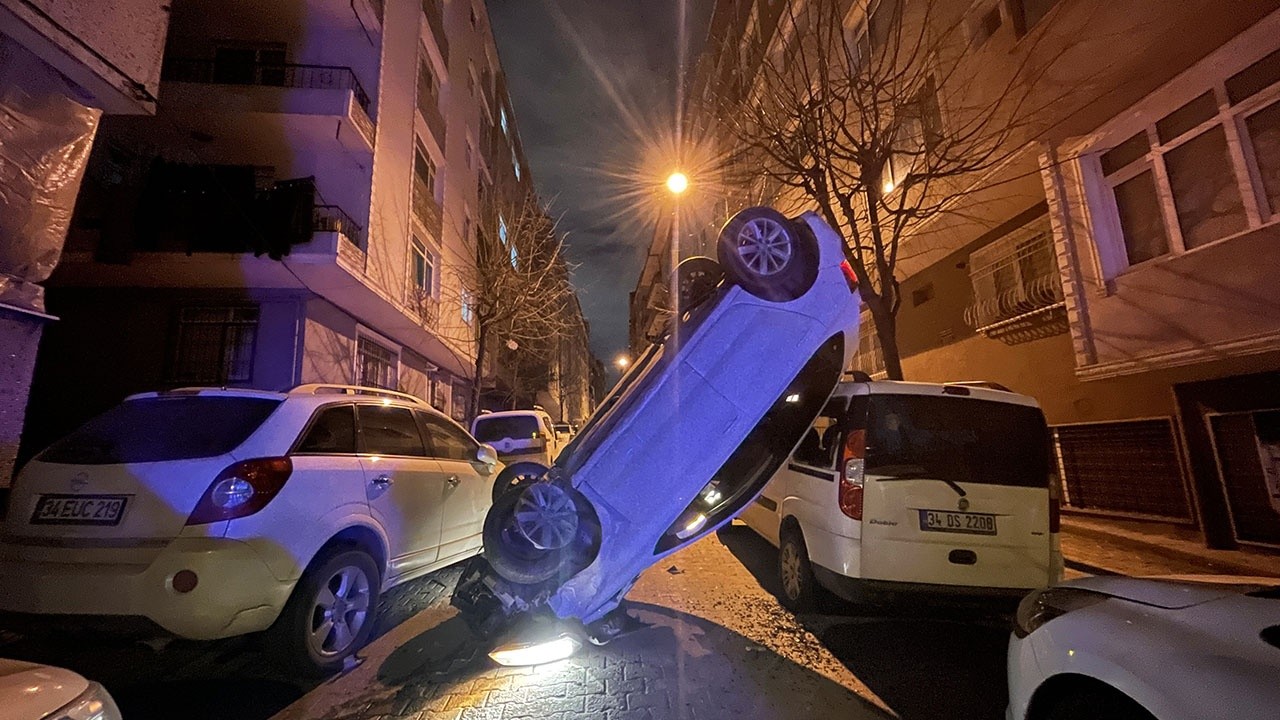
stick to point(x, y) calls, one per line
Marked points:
point(719, 646)
point(1130, 547)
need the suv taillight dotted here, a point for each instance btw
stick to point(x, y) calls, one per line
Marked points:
point(851, 469)
point(241, 489)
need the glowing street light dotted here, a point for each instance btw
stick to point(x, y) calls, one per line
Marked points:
point(677, 183)
point(622, 362)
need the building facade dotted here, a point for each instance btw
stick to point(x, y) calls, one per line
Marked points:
point(302, 208)
point(1116, 266)
point(62, 65)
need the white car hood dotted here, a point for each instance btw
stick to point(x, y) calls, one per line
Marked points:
point(31, 691)
point(1172, 593)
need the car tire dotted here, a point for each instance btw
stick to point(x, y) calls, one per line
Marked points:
point(514, 556)
point(799, 588)
point(695, 281)
point(343, 581)
point(1094, 701)
point(768, 255)
point(517, 475)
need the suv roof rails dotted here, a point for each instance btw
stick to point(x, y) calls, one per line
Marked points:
point(323, 388)
point(858, 376)
point(981, 384)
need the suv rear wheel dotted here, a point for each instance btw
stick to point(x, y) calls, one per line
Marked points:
point(770, 256)
point(330, 614)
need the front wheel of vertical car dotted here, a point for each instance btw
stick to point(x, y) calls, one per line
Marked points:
point(539, 532)
point(768, 255)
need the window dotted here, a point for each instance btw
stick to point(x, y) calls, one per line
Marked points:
point(468, 307)
point(881, 23)
point(818, 448)
point(503, 427)
point(376, 366)
point(214, 345)
point(984, 24)
point(427, 86)
point(1027, 13)
point(1177, 185)
point(160, 429)
point(424, 270)
point(502, 229)
point(332, 433)
point(475, 18)
point(502, 120)
point(446, 441)
point(869, 359)
point(466, 227)
point(858, 47)
point(922, 295)
point(390, 431)
point(424, 170)
point(515, 163)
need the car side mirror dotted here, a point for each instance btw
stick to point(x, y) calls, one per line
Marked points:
point(487, 455)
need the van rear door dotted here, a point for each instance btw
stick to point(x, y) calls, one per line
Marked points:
point(956, 490)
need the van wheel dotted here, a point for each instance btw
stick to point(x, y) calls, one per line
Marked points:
point(330, 614)
point(800, 590)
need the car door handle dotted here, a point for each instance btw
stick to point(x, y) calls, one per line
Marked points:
point(381, 481)
point(452, 480)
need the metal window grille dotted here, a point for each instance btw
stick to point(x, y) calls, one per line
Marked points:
point(1130, 467)
point(214, 345)
point(1015, 275)
point(376, 365)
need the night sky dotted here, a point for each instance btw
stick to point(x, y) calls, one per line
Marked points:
point(592, 82)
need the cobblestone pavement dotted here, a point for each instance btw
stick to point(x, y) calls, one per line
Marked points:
point(717, 646)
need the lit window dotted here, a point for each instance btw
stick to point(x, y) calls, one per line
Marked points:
point(502, 120)
point(515, 162)
point(502, 229)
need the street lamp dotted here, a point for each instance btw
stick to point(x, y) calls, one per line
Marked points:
point(622, 362)
point(677, 182)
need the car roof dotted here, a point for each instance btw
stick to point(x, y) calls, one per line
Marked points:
point(312, 395)
point(972, 390)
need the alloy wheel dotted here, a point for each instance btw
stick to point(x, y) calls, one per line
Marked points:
point(339, 611)
point(546, 516)
point(764, 246)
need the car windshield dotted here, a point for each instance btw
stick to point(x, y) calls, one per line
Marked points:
point(503, 427)
point(957, 439)
point(163, 428)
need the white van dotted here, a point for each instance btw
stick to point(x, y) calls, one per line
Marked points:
point(519, 435)
point(919, 486)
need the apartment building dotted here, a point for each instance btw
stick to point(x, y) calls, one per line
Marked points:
point(62, 66)
point(1117, 266)
point(302, 208)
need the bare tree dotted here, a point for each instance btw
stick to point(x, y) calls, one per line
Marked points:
point(514, 293)
point(883, 119)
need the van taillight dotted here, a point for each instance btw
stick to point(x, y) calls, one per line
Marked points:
point(852, 464)
point(241, 489)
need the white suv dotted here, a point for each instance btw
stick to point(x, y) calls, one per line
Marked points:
point(215, 512)
point(933, 487)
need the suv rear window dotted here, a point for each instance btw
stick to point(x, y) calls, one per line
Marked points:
point(489, 429)
point(161, 429)
point(958, 439)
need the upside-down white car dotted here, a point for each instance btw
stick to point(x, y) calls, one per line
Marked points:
point(687, 438)
point(1121, 648)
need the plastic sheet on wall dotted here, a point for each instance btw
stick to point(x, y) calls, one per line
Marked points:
point(45, 139)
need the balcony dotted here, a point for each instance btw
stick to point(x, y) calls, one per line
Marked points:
point(247, 89)
point(1017, 291)
point(425, 210)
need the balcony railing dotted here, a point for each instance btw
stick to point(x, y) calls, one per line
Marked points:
point(287, 75)
point(1017, 290)
point(331, 218)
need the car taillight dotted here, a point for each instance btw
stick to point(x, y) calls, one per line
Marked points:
point(851, 470)
point(241, 489)
point(850, 277)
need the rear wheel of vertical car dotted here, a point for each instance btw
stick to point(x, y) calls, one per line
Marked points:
point(800, 590)
point(696, 279)
point(539, 532)
point(330, 614)
point(768, 255)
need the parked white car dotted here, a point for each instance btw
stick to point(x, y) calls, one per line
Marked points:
point(941, 488)
point(215, 512)
point(519, 435)
point(40, 692)
point(1120, 648)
